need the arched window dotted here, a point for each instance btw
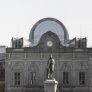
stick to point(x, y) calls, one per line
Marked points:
point(65, 78)
point(33, 78)
point(17, 78)
point(81, 78)
point(33, 74)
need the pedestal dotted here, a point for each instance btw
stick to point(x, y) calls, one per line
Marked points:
point(50, 85)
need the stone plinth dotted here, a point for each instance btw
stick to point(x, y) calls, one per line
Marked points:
point(50, 85)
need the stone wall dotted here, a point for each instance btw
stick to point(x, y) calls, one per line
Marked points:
point(27, 62)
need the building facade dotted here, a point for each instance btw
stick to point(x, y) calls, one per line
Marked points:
point(2, 68)
point(2, 62)
point(25, 67)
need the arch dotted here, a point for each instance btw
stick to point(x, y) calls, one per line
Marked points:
point(33, 67)
point(82, 65)
point(49, 34)
point(48, 24)
point(66, 66)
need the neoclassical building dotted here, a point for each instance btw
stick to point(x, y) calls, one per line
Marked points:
point(25, 67)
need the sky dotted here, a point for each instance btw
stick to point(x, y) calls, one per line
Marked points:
point(18, 16)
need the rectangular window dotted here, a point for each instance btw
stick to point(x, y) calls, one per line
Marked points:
point(81, 78)
point(65, 78)
point(17, 78)
point(33, 78)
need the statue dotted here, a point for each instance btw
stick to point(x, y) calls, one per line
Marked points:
point(50, 67)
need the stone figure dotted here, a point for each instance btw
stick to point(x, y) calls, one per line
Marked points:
point(50, 67)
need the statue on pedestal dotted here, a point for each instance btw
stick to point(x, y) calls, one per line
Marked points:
point(50, 67)
point(50, 85)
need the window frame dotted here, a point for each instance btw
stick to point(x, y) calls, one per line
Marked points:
point(17, 78)
point(66, 78)
point(81, 78)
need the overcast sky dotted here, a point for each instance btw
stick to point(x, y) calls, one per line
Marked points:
point(18, 16)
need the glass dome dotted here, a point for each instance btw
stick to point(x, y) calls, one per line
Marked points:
point(45, 25)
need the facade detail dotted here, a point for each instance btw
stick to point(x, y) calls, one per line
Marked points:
point(65, 78)
point(17, 78)
point(82, 78)
point(25, 67)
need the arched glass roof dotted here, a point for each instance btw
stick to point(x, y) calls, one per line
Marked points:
point(45, 25)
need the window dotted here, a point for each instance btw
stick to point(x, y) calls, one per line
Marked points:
point(65, 78)
point(33, 78)
point(79, 44)
point(16, 44)
point(81, 78)
point(17, 78)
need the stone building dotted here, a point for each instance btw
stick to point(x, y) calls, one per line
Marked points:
point(2, 68)
point(25, 67)
point(2, 62)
